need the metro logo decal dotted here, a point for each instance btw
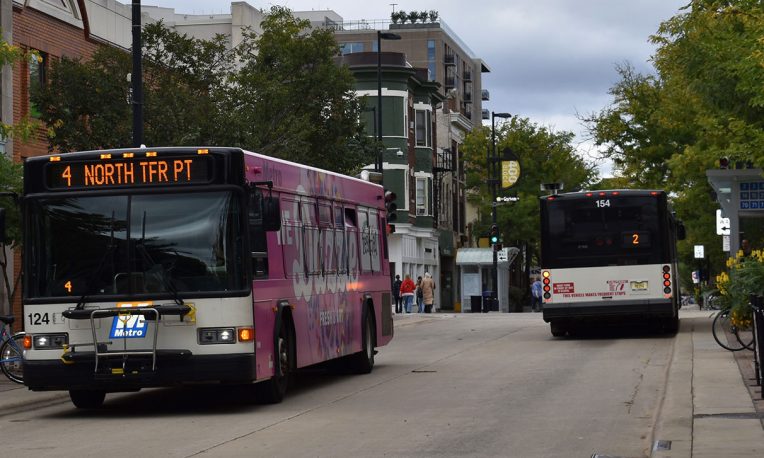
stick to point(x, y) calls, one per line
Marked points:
point(129, 326)
point(617, 285)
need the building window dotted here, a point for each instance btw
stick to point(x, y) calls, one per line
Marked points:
point(423, 197)
point(431, 64)
point(350, 48)
point(422, 128)
point(37, 79)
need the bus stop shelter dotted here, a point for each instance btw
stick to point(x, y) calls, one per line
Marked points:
point(475, 266)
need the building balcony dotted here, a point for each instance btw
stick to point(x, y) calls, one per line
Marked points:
point(486, 113)
point(467, 75)
point(450, 82)
point(449, 59)
point(485, 95)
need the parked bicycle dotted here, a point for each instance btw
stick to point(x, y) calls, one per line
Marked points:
point(11, 353)
point(724, 325)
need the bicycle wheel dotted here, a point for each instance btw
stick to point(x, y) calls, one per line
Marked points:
point(11, 358)
point(744, 335)
point(721, 326)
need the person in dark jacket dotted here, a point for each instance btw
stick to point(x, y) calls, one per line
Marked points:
point(397, 294)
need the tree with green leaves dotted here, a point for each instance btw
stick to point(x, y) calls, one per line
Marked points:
point(291, 100)
point(545, 156)
point(10, 178)
point(279, 93)
point(705, 102)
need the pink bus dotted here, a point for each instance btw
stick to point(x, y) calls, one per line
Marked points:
point(167, 266)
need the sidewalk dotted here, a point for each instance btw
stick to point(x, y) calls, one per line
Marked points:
point(708, 410)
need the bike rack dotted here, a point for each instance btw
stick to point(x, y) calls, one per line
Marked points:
point(100, 350)
point(757, 303)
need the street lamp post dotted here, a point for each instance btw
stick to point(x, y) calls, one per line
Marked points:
point(381, 36)
point(494, 180)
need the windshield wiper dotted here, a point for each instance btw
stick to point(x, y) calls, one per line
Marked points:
point(98, 270)
point(141, 248)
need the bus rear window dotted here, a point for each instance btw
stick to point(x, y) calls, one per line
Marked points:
point(581, 233)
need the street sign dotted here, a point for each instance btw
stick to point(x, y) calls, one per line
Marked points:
point(502, 255)
point(726, 243)
point(699, 251)
point(722, 224)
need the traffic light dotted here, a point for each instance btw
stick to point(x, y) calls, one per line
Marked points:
point(390, 207)
point(493, 234)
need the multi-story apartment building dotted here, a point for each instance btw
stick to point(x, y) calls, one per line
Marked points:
point(439, 188)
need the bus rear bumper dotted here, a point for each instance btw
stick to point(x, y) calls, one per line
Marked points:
point(590, 310)
point(49, 375)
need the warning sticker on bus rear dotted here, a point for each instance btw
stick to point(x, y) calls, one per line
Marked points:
point(564, 288)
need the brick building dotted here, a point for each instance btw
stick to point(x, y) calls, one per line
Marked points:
point(54, 29)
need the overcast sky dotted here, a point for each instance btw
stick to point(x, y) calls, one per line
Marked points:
point(549, 59)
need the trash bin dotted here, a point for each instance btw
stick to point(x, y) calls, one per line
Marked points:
point(475, 302)
point(488, 301)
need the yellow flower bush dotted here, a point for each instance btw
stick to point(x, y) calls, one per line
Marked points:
point(745, 276)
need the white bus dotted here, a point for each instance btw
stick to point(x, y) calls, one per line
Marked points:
point(609, 255)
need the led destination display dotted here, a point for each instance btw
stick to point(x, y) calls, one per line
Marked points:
point(127, 172)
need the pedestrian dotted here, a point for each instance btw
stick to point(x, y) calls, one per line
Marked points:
point(407, 292)
point(745, 248)
point(428, 292)
point(397, 294)
point(419, 297)
point(536, 295)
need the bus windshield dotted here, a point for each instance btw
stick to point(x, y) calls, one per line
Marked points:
point(135, 244)
point(623, 230)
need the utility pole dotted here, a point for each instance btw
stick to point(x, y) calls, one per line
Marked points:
point(136, 77)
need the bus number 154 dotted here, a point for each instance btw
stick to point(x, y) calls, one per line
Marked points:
point(601, 203)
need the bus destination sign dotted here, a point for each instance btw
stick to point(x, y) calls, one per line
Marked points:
point(128, 172)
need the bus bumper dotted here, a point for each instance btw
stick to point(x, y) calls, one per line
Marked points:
point(589, 310)
point(48, 375)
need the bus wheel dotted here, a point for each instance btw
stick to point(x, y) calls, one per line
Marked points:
point(558, 329)
point(87, 399)
point(272, 391)
point(363, 361)
point(671, 325)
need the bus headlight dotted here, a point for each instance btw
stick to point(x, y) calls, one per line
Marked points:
point(208, 336)
point(49, 341)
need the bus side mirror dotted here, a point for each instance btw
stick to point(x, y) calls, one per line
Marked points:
point(2, 225)
point(681, 233)
point(271, 211)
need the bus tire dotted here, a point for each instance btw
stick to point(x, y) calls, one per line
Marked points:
point(363, 361)
point(558, 329)
point(671, 326)
point(87, 399)
point(272, 391)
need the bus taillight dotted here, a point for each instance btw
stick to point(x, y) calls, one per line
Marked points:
point(547, 282)
point(667, 281)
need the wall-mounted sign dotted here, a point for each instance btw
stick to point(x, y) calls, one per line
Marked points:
point(752, 195)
